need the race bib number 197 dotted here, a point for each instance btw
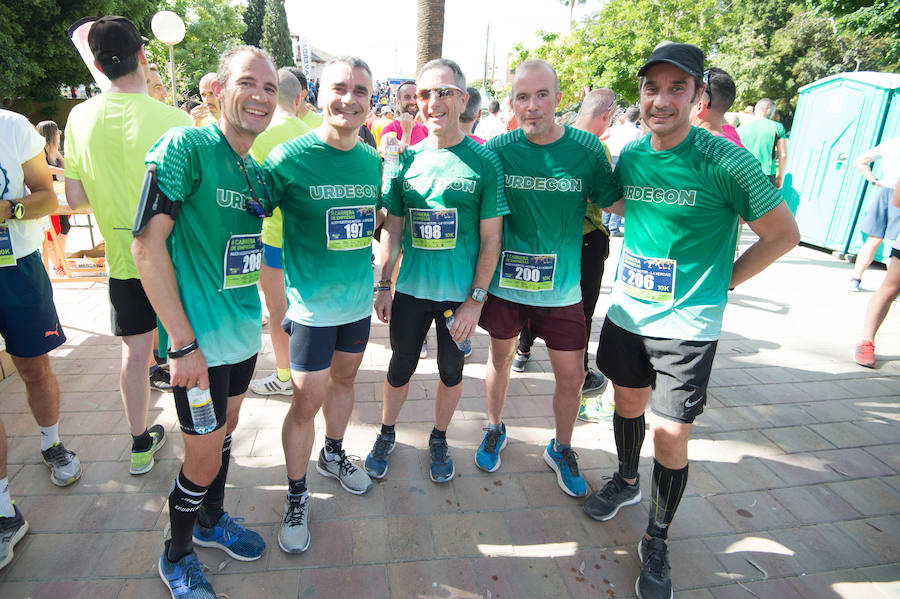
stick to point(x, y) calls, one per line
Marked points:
point(528, 272)
point(243, 257)
point(350, 227)
point(650, 279)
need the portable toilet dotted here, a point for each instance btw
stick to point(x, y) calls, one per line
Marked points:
point(838, 118)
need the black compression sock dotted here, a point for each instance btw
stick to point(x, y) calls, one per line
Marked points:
point(184, 502)
point(387, 429)
point(436, 434)
point(213, 504)
point(296, 487)
point(141, 442)
point(333, 446)
point(666, 490)
point(629, 434)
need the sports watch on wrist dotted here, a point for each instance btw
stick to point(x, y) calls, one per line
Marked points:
point(16, 209)
point(479, 294)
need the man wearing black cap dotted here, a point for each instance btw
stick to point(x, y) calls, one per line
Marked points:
point(684, 190)
point(106, 139)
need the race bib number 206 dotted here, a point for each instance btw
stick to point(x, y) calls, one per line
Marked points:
point(650, 279)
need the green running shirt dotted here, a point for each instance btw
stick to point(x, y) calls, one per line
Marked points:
point(197, 167)
point(443, 195)
point(682, 207)
point(327, 198)
point(547, 187)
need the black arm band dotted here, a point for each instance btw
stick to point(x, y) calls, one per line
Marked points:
point(152, 202)
point(182, 352)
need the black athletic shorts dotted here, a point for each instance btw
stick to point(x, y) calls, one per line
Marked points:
point(411, 317)
point(28, 321)
point(130, 312)
point(677, 370)
point(228, 380)
point(312, 348)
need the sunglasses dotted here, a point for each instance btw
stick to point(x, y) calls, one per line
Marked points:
point(442, 92)
point(706, 83)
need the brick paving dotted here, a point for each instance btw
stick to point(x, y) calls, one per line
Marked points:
point(794, 488)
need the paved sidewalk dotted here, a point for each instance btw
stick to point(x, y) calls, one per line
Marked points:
point(794, 489)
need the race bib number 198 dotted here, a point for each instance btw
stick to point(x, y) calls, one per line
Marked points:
point(350, 227)
point(528, 272)
point(650, 279)
point(243, 257)
point(433, 229)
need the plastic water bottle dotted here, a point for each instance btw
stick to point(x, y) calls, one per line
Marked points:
point(202, 411)
point(391, 157)
point(465, 346)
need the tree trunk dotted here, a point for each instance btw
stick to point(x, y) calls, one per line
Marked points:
point(429, 31)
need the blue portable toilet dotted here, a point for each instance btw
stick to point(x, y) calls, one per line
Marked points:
point(838, 118)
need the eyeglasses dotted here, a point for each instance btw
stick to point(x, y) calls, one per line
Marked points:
point(706, 84)
point(444, 91)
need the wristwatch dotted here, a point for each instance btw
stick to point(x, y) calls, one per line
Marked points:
point(16, 209)
point(479, 294)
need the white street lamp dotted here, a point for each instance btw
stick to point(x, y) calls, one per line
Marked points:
point(169, 29)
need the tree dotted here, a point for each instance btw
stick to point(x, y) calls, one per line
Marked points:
point(36, 55)
point(212, 26)
point(253, 19)
point(429, 31)
point(873, 20)
point(276, 37)
point(571, 5)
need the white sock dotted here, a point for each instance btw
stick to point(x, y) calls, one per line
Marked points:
point(6, 507)
point(49, 436)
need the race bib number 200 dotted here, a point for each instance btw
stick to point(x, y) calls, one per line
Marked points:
point(650, 279)
point(243, 258)
point(528, 272)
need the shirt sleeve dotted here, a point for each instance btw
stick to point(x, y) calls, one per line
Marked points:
point(780, 133)
point(744, 185)
point(604, 189)
point(275, 175)
point(177, 170)
point(493, 193)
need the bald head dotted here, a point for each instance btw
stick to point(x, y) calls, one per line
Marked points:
point(596, 111)
point(531, 65)
point(765, 108)
point(290, 90)
point(207, 96)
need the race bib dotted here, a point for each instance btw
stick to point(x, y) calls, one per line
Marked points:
point(243, 257)
point(7, 257)
point(651, 279)
point(349, 228)
point(433, 229)
point(528, 272)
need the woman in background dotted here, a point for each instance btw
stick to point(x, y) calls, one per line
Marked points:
point(50, 131)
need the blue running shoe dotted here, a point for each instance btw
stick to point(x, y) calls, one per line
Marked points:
point(232, 538)
point(184, 578)
point(377, 460)
point(442, 469)
point(487, 457)
point(565, 464)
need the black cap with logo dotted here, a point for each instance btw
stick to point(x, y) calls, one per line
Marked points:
point(687, 57)
point(113, 38)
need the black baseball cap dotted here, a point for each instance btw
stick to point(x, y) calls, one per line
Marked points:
point(687, 57)
point(112, 39)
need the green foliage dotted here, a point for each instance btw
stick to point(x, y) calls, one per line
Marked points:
point(876, 22)
point(276, 37)
point(212, 26)
point(36, 55)
point(253, 19)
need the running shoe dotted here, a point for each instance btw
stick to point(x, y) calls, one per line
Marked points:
point(377, 460)
point(294, 534)
point(853, 284)
point(864, 354)
point(519, 362)
point(184, 578)
point(565, 464)
point(142, 461)
point(12, 529)
point(605, 504)
point(228, 535)
point(596, 409)
point(441, 468)
point(271, 385)
point(353, 479)
point(160, 380)
point(65, 467)
point(423, 353)
point(594, 382)
point(487, 457)
point(655, 581)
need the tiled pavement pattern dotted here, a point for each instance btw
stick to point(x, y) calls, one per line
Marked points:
point(794, 485)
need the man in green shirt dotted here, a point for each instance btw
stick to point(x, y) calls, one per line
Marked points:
point(766, 140)
point(198, 252)
point(106, 140)
point(684, 190)
point(284, 127)
point(550, 172)
point(446, 206)
point(327, 184)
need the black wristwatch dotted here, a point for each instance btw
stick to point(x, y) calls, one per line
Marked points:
point(16, 209)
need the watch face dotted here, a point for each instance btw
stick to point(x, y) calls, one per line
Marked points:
point(18, 210)
point(479, 295)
